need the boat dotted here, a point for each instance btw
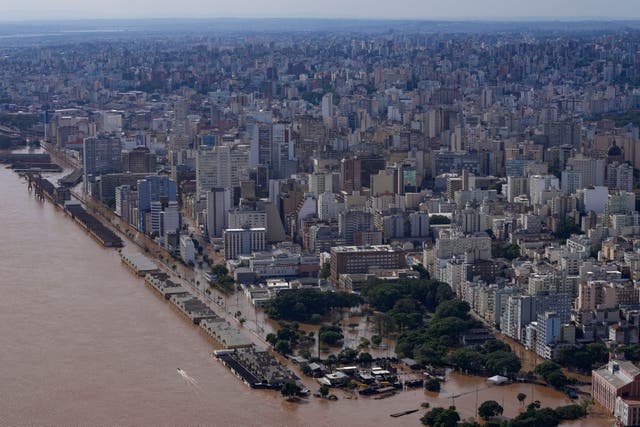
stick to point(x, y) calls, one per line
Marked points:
point(403, 413)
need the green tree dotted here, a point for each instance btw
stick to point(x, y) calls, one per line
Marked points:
point(567, 228)
point(330, 335)
point(306, 369)
point(571, 412)
point(439, 220)
point(503, 363)
point(282, 347)
point(376, 339)
point(534, 417)
point(303, 304)
point(424, 274)
point(467, 359)
point(271, 338)
point(521, 398)
point(432, 385)
point(348, 355)
point(219, 270)
point(546, 368)
point(325, 271)
point(440, 417)
point(552, 374)
point(585, 357)
point(495, 345)
point(289, 389)
point(556, 379)
point(453, 308)
point(324, 390)
point(490, 409)
point(365, 358)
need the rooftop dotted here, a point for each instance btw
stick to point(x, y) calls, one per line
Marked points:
point(618, 373)
point(372, 248)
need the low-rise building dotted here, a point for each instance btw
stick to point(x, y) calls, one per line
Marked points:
point(616, 386)
point(359, 259)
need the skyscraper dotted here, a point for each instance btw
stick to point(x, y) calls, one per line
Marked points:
point(220, 166)
point(154, 188)
point(218, 205)
point(100, 154)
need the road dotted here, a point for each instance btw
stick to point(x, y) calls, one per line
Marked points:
point(193, 278)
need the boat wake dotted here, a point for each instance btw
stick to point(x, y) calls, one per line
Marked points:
point(190, 381)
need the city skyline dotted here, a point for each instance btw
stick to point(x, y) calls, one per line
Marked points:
point(403, 9)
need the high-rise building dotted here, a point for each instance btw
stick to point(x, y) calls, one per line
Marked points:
point(329, 207)
point(571, 181)
point(327, 107)
point(154, 188)
point(170, 218)
point(353, 221)
point(620, 176)
point(220, 166)
point(218, 204)
point(139, 160)
point(243, 241)
point(541, 184)
point(592, 170)
point(123, 192)
point(100, 155)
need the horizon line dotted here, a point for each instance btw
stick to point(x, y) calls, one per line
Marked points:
point(451, 19)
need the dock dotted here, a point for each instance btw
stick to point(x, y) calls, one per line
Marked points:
point(256, 367)
point(138, 263)
point(72, 179)
point(96, 229)
point(192, 307)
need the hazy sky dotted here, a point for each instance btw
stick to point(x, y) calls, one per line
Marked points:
point(419, 9)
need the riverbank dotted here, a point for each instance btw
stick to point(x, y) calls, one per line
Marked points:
point(88, 291)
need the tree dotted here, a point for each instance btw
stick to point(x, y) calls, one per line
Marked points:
point(585, 357)
point(567, 228)
point(304, 304)
point(432, 385)
point(324, 390)
point(439, 220)
point(282, 347)
point(330, 335)
point(546, 368)
point(556, 379)
point(533, 406)
point(571, 412)
point(326, 271)
point(289, 389)
point(376, 339)
point(271, 338)
point(521, 398)
point(364, 343)
point(503, 363)
point(424, 274)
point(348, 355)
point(330, 338)
point(490, 409)
point(467, 359)
point(306, 370)
point(365, 358)
point(534, 417)
point(441, 417)
point(510, 252)
point(219, 270)
point(552, 374)
point(453, 308)
point(495, 345)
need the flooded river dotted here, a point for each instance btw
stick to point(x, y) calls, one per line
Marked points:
point(84, 342)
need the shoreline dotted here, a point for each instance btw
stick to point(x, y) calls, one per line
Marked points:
point(131, 240)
